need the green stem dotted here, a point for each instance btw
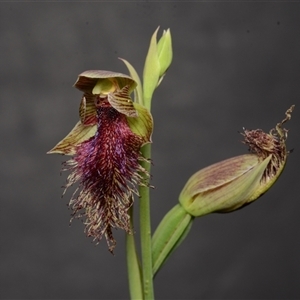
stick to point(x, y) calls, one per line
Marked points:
point(133, 265)
point(145, 230)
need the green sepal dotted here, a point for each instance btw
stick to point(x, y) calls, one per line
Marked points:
point(87, 80)
point(143, 124)
point(138, 91)
point(77, 135)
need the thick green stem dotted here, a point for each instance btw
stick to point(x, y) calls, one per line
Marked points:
point(133, 265)
point(145, 229)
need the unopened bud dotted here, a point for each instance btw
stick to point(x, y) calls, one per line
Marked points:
point(157, 62)
point(165, 53)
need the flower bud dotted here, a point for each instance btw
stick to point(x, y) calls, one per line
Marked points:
point(238, 181)
point(157, 62)
point(165, 53)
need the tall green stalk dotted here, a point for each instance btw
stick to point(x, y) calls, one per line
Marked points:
point(157, 62)
point(145, 231)
point(133, 264)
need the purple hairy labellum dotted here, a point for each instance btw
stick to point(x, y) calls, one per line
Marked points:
point(105, 146)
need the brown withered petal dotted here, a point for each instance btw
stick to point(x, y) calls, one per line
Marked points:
point(265, 144)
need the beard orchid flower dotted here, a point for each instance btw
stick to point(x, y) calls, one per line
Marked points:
point(105, 148)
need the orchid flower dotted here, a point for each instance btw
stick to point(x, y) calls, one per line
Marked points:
point(105, 145)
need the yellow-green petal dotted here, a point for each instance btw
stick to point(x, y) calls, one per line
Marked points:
point(104, 86)
point(78, 134)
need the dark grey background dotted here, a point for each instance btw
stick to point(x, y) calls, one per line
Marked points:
point(235, 65)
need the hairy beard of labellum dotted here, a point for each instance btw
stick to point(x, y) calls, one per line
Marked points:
point(107, 167)
point(264, 144)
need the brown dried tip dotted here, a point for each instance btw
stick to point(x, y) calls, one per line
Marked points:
point(272, 143)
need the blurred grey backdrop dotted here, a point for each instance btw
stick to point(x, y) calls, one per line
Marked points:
point(235, 65)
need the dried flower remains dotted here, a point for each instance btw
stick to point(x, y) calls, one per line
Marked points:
point(236, 182)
